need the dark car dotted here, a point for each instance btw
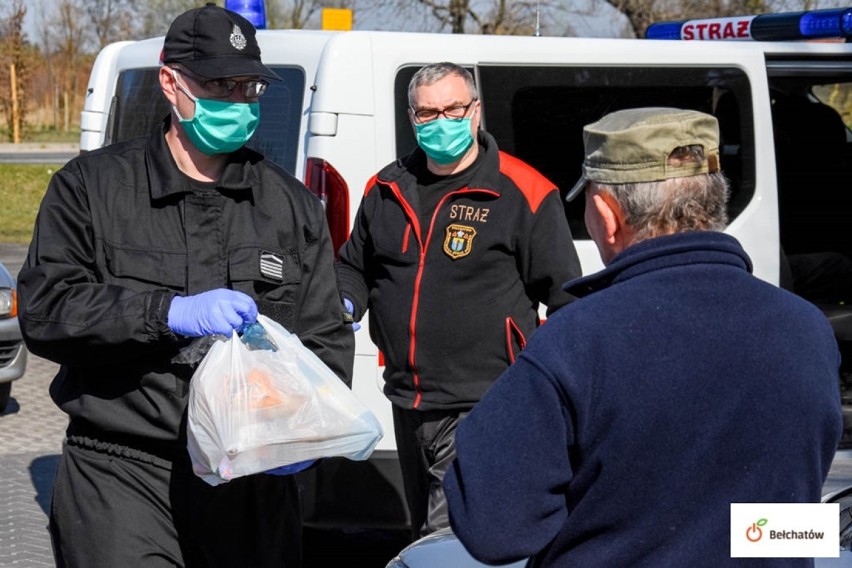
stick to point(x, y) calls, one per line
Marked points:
point(13, 354)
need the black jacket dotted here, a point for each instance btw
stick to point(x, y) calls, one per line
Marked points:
point(121, 231)
point(452, 304)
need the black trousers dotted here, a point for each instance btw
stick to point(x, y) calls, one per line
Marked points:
point(113, 511)
point(426, 444)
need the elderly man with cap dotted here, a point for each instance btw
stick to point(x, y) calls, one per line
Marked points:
point(141, 247)
point(678, 383)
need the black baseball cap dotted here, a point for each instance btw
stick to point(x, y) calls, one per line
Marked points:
point(213, 42)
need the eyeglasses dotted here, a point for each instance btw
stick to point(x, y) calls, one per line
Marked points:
point(224, 88)
point(456, 112)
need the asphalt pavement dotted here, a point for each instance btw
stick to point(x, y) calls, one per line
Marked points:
point(38, 153)
point(31, 432)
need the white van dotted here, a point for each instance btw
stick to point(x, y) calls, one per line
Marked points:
point(340, 115)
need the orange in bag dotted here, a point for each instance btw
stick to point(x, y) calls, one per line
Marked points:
point(262, 394)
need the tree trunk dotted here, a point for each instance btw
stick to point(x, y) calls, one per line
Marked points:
point(16, 117)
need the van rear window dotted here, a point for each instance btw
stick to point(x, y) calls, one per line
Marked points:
point(139, 106)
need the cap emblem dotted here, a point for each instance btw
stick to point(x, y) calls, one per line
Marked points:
point(238, 40)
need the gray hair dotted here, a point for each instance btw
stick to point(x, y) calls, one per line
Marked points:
point(676, 205)
point(435, 72)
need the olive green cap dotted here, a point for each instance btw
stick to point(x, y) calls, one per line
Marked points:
point(634, 145)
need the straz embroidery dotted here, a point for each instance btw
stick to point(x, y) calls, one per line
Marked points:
point(469, 213)
point(459, 241)
point(238, 40)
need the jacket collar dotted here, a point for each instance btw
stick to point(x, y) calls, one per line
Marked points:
point(166, 179)
point(486, 175)
point(680, 249)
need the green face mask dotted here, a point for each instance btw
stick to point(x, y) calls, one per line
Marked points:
point(219, 127)
point(444, 140)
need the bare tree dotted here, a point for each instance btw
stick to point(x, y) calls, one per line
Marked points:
point(496, 17)
point(112, 20)
point(292, 14)
point(156, 15)
point(67, 43)
point(506, 17)
point(16, 62)
point(620, 18)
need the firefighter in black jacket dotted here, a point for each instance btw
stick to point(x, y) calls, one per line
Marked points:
point(453, 248)
point(140, 247)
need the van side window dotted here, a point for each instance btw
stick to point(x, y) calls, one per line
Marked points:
point(838, 96)
point(538, 114)
point(813, 157)
point(811, 116)
point(138, 106)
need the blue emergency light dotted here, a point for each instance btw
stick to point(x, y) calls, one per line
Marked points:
point(811, 24)
point(252, 10)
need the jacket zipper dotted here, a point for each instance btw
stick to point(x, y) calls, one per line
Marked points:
point(424, 247)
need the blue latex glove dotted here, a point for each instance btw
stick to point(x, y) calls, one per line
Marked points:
point(351, 309)
point(291, 469)
point(214, 312)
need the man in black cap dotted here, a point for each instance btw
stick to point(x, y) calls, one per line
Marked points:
point(139, 248)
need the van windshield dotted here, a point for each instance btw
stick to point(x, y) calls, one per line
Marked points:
point(138, 107)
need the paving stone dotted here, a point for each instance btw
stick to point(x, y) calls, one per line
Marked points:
point(31, 432)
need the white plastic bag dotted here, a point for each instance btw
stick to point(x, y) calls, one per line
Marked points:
point(255, 410)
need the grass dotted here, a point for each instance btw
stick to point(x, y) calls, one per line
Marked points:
point(43, 135)
point(21, 188)
point(49, 136)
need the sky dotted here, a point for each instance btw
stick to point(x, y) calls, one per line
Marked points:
point(588, 20)
point(31, 16)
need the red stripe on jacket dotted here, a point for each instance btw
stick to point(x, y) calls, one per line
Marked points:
point(534, 186)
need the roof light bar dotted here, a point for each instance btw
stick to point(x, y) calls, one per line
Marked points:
point(252, 10)
point(812, 24)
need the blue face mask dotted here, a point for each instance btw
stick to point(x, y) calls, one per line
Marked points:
point(444, 140)
point(219, 127)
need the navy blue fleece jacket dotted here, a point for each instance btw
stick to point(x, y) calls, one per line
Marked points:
point(678, 384)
